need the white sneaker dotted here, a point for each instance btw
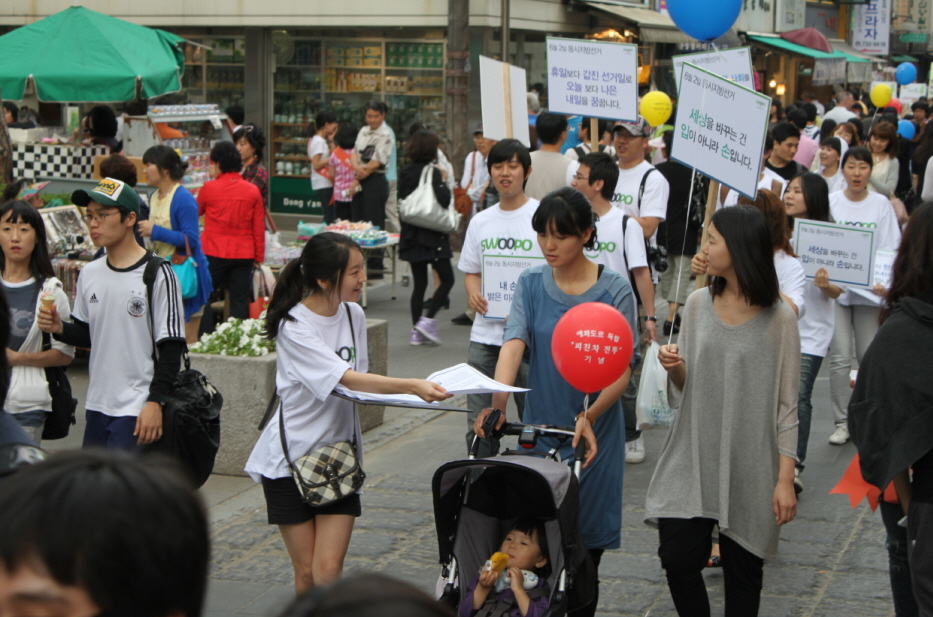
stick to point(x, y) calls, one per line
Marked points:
point(840, 435)
point(635, 451)
point(798, 483)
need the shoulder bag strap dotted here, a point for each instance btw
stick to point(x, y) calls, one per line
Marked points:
point(353, 338)
point(641, 188)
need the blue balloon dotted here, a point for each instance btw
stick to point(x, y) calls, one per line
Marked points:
point(906, 129)
point(704, 20)
point(906, 73)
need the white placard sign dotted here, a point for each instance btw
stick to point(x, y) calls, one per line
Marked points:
point(592, 78)
point(500, 278)
point(883, 268)
point(846, 252)
point(504, 101)
point(734, 64)
point(720, 128)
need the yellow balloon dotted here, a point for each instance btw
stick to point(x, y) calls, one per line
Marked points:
point(881, 95)
point(656, 108)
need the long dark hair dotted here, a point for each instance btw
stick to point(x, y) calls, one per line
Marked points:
point(40, 265)
point(827, 128)
point(775, 213)
point(815, 193)
point(324, 258)
point(748, 239)
point(569, 211)
point(913, 266)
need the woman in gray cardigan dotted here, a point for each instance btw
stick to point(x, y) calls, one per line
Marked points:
point(729, 458)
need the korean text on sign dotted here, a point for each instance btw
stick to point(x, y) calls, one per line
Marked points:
point(721, 128)
point(733, 64)
point(500, 278)
point(597, 345)
point(592, 78)
point(845, 252)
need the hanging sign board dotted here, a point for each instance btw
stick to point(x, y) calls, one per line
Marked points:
point(592, 78)
point(734, 64)
point(846, 252)
point(504, 104)
point(720, 129)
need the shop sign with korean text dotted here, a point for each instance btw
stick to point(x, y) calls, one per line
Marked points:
point(500, 279)
point(871, 27)
point(846, 252)
point(734, 64)
point(592, 78)
point(721, 129)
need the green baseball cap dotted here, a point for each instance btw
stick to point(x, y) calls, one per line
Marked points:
point(109, 192)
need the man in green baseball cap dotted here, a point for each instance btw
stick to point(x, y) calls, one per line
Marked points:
point(120, 320)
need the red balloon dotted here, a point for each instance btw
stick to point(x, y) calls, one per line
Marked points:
point(592, 345)
point(896, 104)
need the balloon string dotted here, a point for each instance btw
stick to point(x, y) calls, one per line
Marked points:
point(683, 248)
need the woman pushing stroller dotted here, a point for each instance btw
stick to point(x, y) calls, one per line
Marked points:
point(565, 224)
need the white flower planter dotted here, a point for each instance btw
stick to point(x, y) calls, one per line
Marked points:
point(247, 385)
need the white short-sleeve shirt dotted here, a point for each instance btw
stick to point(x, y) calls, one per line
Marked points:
point(497, 232)
point(617, 250)
point(876, 213)
point(114, 304)
point(313, 353)
point(791, 280)
point(654, 200)
point(318, 145)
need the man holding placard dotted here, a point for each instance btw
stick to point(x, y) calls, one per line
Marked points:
point(499, 245)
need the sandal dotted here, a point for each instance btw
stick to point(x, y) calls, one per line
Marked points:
point(714, 562)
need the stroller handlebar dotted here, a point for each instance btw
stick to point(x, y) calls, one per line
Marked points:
point(517, 428)
point(528, 435)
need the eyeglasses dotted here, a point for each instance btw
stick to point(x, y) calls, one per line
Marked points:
point(620, 136)
point(580, 178)
point(90, 218)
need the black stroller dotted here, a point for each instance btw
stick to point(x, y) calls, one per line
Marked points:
point(475, 501)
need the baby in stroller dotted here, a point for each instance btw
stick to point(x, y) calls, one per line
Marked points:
point(526, 547)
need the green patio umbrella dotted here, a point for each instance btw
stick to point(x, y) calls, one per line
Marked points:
point(79, 55)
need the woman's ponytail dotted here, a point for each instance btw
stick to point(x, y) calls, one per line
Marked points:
point(324, 258)
point(289, 291)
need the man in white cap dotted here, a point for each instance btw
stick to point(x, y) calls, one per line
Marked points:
point(136, 337)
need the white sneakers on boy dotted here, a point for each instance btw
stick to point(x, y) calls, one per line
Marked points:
point(635, 451)
point(840, 436)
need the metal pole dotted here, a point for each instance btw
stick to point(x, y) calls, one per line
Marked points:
point(458, 53)
point(505, 30)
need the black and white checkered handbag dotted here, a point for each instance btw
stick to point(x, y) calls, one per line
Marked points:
point(329, 473)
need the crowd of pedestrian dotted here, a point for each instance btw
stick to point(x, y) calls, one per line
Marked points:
point(605, 225)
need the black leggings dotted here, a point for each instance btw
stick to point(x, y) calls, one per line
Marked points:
point(684, 551)
point(419, 275)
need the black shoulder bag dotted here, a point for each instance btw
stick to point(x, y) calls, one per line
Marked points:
point(64, 405)
point(191, 416)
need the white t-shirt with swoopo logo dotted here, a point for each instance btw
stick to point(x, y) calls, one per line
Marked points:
point(113, 302)
point(314, 352)
point(654, 200)
point(497, 232)
point(614, 250)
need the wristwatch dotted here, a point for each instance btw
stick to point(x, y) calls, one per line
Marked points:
point(651, 318)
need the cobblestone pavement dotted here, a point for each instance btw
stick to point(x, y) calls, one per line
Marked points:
point(832, 561)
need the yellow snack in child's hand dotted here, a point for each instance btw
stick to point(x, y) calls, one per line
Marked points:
point(498, 562)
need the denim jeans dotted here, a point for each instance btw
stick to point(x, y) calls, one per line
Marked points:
point(809, 367)
point(902, 589)
point(484, 358)
point(629, 413)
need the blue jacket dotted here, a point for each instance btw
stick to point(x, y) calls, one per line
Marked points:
point(183, 214)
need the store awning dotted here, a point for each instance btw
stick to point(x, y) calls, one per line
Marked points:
point(851, 53)
point(904, 58)
point(653, 27)
point(800, 50)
